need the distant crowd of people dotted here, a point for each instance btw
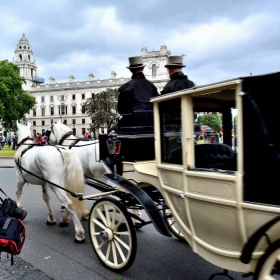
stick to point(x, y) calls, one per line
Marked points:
point(10, 140)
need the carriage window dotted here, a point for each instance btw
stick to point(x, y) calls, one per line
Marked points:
point(170, 118)
point(214, 132)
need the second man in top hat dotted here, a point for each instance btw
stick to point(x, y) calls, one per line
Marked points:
point(178, 80)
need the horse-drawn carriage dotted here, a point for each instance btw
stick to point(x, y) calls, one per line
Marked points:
point(224, 203)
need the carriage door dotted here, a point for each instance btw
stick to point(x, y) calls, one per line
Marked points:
point(170, 167)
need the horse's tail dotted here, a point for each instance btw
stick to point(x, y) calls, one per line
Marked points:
point(74, 180)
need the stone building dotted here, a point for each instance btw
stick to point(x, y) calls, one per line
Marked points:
point(65, 100)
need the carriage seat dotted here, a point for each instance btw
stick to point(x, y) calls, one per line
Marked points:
point(220, 156)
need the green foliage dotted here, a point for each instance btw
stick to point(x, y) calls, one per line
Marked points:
point(15, 103)
point(102, 108)
point(212, 120)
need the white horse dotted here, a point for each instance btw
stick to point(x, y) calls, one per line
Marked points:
point(44, 165)
point(87, 151)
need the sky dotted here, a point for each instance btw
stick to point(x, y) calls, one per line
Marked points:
point(221, 39)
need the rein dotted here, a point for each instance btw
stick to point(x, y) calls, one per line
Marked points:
point(75, 141)
point(72, 193)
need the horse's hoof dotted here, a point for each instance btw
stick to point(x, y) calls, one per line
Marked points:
point(79, 241)
point(63, 224)
point(50, 223)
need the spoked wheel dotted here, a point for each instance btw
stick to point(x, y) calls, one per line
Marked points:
point(112, 234)
point(173, 226)
point(268, 267)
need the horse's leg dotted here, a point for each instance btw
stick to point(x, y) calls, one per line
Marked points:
point(69, 209)
point(46, 197)
point(20, 184)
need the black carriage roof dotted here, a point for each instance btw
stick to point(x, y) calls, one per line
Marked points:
point(249, 83)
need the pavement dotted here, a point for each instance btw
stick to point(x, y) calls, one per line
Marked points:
point(7, 162)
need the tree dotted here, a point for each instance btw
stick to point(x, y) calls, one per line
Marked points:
point(15, 103)
point(102, 108)
point(212, 120)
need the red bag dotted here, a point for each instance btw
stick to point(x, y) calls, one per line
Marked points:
point(12, 236)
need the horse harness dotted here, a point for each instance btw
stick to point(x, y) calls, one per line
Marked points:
point(30, 146)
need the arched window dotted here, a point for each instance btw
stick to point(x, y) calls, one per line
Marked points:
point(154, 70)
point(20, 57)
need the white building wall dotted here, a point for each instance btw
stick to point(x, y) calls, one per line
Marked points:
point(40, 123)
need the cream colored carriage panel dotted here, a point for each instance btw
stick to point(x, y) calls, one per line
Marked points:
point(255, 218)
point(145, 173)
point(222, 259)
point(179, 211)
point(214, 185)
point(171, 176)
point(216, 224)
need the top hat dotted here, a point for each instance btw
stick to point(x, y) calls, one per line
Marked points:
point(175, 61)
point(135, 62)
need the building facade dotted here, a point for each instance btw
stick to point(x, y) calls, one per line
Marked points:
point(65, 100)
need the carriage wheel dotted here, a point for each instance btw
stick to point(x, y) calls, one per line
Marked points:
point(173, 226)
point(112, 234)
point(269, 263)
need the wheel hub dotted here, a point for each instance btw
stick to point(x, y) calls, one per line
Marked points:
point(106, 235)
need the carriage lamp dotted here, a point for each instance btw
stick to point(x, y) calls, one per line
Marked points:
point(113, 144)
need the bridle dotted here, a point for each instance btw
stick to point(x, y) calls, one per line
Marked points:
point(60, 142)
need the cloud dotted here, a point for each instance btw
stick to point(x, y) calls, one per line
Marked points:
point(221, 39)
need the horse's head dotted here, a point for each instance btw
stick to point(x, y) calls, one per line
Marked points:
point(56, 132)
point(23, 131)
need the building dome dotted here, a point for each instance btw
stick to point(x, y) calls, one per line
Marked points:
point(23, 44)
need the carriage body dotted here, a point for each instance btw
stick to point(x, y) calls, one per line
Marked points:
point(219, 197)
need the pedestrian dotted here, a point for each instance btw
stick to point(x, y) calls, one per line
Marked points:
point(134, 97)
point(178, 80)
point(14, 140)
point(9, 140)
point(2, 141)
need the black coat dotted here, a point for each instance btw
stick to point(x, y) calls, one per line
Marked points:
point(178, 81)
point(134, 101)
